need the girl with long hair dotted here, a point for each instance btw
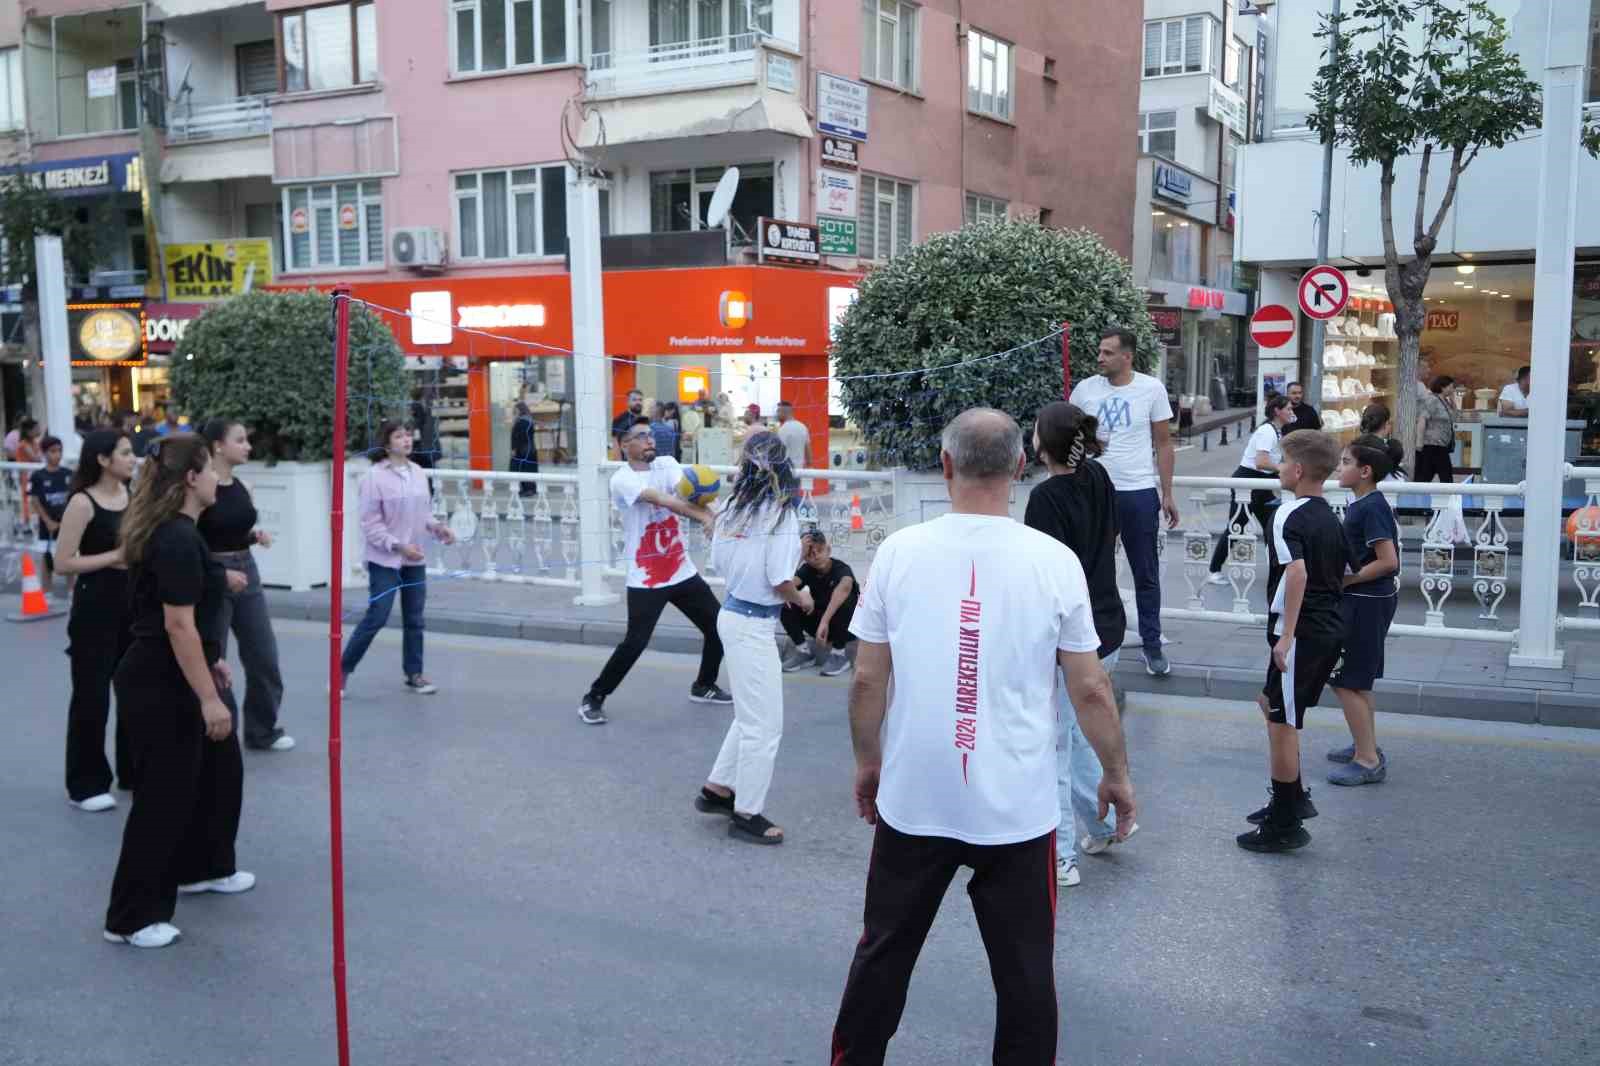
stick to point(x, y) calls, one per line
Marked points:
point(1077, 505)
point(756, 545)
point(230, 530)
point(97, 631)
point(1260, 458)
point(172, 685)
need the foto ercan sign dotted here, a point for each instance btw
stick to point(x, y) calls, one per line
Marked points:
point(787, 242)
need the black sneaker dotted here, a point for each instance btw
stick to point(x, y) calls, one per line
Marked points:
point(592, 710)
point(1303, 810)
point(709, 694)
point(1274, 838)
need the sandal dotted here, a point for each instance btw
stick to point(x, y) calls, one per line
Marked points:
point(708, 802)
point(752, 829)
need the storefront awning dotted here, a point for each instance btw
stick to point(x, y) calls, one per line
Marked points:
point(735, 109)
point(249, 157)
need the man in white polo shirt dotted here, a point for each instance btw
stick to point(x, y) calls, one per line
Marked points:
point(1134, 423)
point(970, 613)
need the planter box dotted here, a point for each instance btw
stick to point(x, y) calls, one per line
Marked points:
point(921, 495)
point(293, 502)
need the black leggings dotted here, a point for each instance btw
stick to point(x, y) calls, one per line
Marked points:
point(698, 603)
point(1433, 461)
point(1262, 503)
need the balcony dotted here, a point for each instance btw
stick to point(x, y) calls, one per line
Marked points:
point(675, 67)
point(196, 120)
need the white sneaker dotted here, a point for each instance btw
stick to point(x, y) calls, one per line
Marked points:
point(283, 743)
point(238, 881)
point(1216, 579)
point(1066, 871)
point(95, 804)
point(1095, 845)
point(158, 935)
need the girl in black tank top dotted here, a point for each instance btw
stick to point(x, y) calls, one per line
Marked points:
point(229, 525)
point(98, 631)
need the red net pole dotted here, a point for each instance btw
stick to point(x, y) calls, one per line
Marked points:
point(341, 388)
point(1066, 360)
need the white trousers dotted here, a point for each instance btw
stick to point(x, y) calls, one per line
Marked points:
point(755, 672)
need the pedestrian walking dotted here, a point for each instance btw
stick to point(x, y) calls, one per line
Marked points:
point(230, 531)
point(1371, 594)
point(1134, 418)
point(98, 631)
point(755, 546)
point(659, 570)
point(173, 687)
point(1260, 458)
point(1305, 632)
point(1077, 505)
point(1436, 430)
point(396, 516)
point(524, 449)
point(49, 489)
point(822, 633)
point(965, 777)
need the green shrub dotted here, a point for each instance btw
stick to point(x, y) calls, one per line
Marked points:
point(266, 359)
point(968, 294)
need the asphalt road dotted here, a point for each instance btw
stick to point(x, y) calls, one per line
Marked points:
point(525, 889)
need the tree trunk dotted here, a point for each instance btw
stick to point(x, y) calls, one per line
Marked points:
point(1405, 283)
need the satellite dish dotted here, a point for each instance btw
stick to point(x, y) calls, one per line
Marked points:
point(722, 199)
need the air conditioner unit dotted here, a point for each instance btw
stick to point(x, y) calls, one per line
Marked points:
point(416, 246)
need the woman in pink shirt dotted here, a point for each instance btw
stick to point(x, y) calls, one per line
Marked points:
point(396, 512)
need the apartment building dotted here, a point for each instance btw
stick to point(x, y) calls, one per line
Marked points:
point(1201, 98)
point(418, 151)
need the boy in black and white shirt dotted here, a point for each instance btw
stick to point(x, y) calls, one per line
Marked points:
point(1305, 630)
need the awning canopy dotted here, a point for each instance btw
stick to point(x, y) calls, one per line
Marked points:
point(249, 157)
point(708, 113)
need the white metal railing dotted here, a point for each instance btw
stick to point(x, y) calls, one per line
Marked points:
point(723, 60)
point(1584, 539)
point(245, 116)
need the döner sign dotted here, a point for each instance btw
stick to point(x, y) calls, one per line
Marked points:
point(787, 242)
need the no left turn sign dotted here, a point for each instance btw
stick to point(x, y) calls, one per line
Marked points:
point(1324, 291)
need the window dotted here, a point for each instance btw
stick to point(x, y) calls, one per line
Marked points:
point(511, 214)
point(724, 23)
point(883, 222)
point(679, 199)
point(333, 226)
point(502, 34)
point(257, 63)
point(988, 75)
point(11, 114)
point(1177, 46)
point(331, 47)
point(984, 209)
point(1158, 133)
point(889, 42)
point(1174, 248)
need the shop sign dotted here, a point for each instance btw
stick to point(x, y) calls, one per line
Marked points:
point(838, 152)
point(780, 73)
point(86, 177)
point(1227, 107)
point(106, 334)
point(1169, 327)
point(1206, 299)
point(786, 242)
point(216, 270)
point(838, 235)
point(841, 106)
point(837, 193)
point(1447, 321)
point(166, 324)
point(430, 317)
point(501, 316)
point(1173, 183)
point(1258, 119)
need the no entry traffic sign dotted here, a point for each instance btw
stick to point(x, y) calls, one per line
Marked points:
point(1272, 326)
point(1324, 291)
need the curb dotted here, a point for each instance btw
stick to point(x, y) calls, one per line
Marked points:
point(1525, 706)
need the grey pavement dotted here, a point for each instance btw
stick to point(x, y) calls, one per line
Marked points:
point(525, 889)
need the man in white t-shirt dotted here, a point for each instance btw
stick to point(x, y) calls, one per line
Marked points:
point(1134, 420)
point(1514, 397)
point(659, 570)
point(795, 435)
point(970, 614)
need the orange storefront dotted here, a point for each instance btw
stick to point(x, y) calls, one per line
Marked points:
point(651, 315)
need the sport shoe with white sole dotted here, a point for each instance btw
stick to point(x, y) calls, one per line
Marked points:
point(838, 663)
point(1155, 663)
point(234, 883)
point(158, 935)
point(709, 694)
point(1098, 845)
point(1216, 579)
point(798, 659)
point(592, 710)
point(282, 742)
point(1067, 871)
point(95, 804)
point(421, 685)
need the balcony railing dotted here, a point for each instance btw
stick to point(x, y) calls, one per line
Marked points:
point(726, 60)
point(192, 120)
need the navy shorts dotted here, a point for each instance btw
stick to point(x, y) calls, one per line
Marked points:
point(1311, 663)
point(1366, 628)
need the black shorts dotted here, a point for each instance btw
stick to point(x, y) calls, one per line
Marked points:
point(1311, 663)
point(1366, 628)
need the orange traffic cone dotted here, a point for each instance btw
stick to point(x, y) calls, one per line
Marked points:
point(34, 605)
point(857, 524)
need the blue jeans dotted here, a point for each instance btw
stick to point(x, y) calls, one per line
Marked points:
point(409, 583)
point(1139, 514)
point(1078, 773)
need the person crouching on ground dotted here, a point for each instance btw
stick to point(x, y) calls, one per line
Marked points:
point(826, 629)
point(756, 545)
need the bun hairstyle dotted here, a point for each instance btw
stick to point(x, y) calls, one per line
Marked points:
point(1383, 454)
point(216, 431)
point(1374, 418)
point(1066, 434)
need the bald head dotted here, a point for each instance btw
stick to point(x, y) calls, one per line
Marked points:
point(983, 445)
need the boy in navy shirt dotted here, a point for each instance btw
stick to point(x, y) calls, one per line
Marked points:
point(50, 489)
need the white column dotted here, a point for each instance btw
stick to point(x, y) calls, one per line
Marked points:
point(1565, 45)
point(589, 380)
point(54, 352)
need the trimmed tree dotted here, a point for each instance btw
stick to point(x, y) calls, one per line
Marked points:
point(967, 319)
point(266, 359)
point(1430, 78)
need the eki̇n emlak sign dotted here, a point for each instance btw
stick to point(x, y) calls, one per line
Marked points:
point(216, 270)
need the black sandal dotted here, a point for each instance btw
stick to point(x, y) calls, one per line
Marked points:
point(708, 802)
point(752, 829)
